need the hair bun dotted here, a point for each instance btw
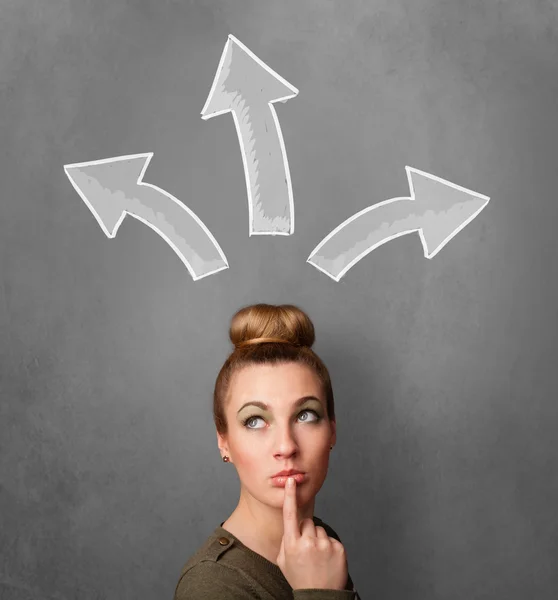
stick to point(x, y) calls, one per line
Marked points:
point(283, 323)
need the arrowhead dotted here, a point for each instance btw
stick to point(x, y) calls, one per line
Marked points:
point(446, 208)
point(105, 185)
point(241, 74)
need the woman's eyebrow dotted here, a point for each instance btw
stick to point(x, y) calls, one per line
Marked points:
point(265, 406)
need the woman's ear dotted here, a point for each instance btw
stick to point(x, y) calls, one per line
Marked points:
point(222, 442)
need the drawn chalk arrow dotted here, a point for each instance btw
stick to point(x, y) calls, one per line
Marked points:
point(246, 87)
point(113, 187)
point(437, 209)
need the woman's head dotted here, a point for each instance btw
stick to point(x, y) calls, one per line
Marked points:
point(298, 427)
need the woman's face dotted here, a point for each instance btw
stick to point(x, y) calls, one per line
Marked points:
point(291, 433)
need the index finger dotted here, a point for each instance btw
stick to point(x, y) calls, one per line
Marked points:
point(290, 512)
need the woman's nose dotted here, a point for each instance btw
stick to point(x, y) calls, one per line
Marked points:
point(286, 442)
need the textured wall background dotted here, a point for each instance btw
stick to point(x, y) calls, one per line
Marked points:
point(444, 370)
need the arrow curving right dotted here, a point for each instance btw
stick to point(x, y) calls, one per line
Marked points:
point(112, 187)
point(436, 208)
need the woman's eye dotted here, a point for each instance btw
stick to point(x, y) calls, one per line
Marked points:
point(248, 421)
point(306, 410)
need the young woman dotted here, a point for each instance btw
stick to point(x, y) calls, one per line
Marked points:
point(274, 411)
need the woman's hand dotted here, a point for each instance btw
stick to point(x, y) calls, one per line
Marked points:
point(309, 559)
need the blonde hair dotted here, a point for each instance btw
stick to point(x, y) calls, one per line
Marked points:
point(269, 334)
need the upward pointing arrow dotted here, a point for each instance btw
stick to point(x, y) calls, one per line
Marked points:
point(246, 87)
point(113, 187)
point(436, 208)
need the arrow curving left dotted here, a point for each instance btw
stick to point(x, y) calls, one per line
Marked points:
point(114, 187)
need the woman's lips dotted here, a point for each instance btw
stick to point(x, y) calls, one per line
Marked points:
point(281, 481)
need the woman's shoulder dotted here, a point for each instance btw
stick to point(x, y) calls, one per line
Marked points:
point(215, 570)
point(209, 580)
point(221, 569)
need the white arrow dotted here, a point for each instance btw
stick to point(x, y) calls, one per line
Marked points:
point(439, 210)
point(113, 187)
point(247, 87)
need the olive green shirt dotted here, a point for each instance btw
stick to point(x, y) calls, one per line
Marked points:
point(225, 569)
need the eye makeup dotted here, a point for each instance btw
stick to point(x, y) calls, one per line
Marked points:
point(311, 405)
point(248, 419)
point(265, 406)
